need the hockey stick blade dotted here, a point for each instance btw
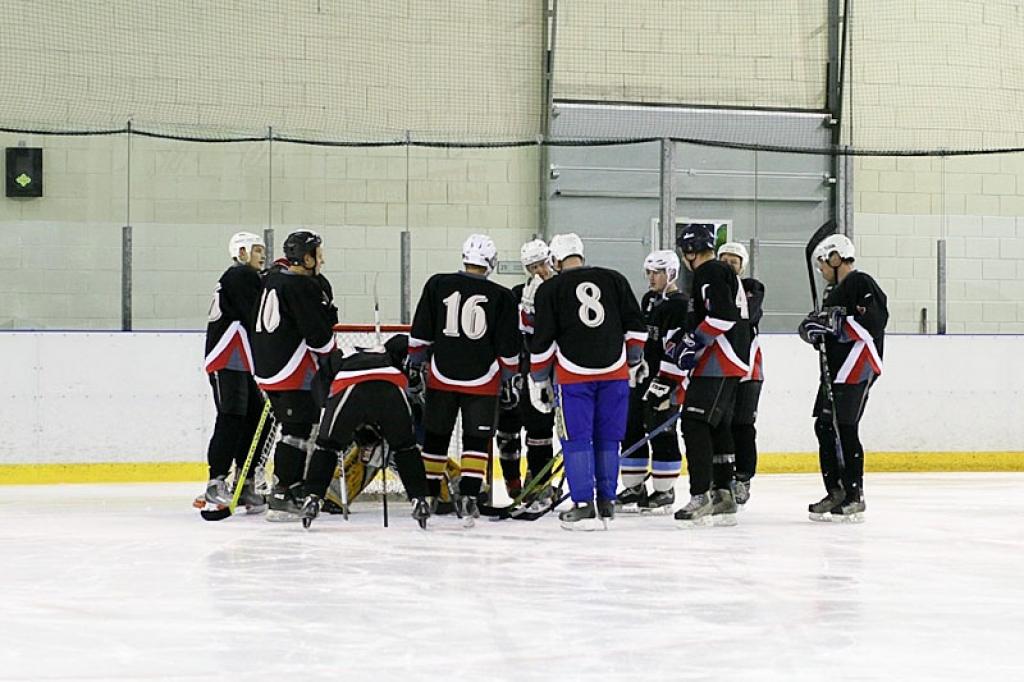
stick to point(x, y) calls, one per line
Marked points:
point(827, 229)
point(215, 514)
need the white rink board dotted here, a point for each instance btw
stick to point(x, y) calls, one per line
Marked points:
point(85, 397)
point(125, 582)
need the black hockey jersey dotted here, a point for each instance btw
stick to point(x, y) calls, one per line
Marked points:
point(665, 316)
point(349, 365)
point(754, 290)
point(587, 324)
point(294, 321)
point(722, 321)
point(855, 355)
point(467, 326)
point(230, 320)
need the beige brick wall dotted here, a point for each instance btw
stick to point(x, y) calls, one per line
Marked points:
point(903, 206)
point(714, 52)
point(188, 198)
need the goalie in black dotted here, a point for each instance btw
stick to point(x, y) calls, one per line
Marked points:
point(366, 405)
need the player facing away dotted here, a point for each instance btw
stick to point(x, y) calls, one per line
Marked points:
point(588, 329)
point(516, 410)
point(229, 365)
point(748, 393)
point(294, 325)
point(715, 354)
point(464, 332)
point(366, 401)
point(657, 399)
point(851, 324)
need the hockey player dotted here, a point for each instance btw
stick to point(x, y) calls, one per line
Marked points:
point(654, 401)
point(294, 325)
point(590, 330)
point(748, 393)
point(465, 325)
point(715, 354)
point(516, 409)
point(366, 402)
point(851, 325)
point(229, 365)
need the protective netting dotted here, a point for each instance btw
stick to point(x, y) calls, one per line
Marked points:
point(921, 77)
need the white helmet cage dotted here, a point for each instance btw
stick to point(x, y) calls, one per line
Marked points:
point(565, 245)
point(479, 249)
point(534, 252)
point(738, 250)
point(837, 243)
point(245, 240)
point(663, 260)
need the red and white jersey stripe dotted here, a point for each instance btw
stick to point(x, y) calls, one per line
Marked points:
point(346, 378)
point(231, 351)
point(863, 360)
point(756, 372)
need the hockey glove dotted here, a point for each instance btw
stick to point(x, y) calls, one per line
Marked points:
point(511, 389)
point(659, 394)
point(819, 324)
point(686, 351)
point(542, 395)
point(530, 292)
point(638, 373)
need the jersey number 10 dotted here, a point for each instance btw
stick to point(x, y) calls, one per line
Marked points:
point(472, 316)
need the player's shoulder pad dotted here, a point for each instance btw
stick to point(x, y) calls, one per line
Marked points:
point(753, 286)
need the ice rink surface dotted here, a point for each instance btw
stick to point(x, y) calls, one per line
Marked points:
point(125, 582)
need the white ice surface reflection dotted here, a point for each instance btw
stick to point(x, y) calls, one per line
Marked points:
point(126, 582)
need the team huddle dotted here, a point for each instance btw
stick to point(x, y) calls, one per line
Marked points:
point(569, 353)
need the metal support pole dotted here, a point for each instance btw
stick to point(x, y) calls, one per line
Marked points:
point(942, 278)
point(406, 278)
point(755, 256)
point(126, 243)
point(668, 195)
point(268, 239)
point(549, 17)
point(126, 278)
point(270, 193)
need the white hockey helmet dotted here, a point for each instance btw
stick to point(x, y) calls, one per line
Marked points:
point(663, 260)
point(738, 250)
point(534, 252)
point(565, 245)
point(479, 249)
point(245, 240)
point(837, 243)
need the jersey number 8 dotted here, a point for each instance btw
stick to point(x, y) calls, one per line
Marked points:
point(473, 316)
point(591, 311)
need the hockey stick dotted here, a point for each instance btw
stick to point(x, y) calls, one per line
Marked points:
point(551, 469)
point(824, 231)
point(220, 514)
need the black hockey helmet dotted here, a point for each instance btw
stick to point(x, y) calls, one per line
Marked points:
point(299, 244)
point(697, 237)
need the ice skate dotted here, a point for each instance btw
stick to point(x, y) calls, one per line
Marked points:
point(467, 509)
point(822, 509)
point(659, 503)
point(723, 510)
point(217, 495)
point(253, 502)
point(310, 510)
point(582, 516)
point(632, 499)
point(285, 503)
point(421, 511)
point(742, 493)
point(850, 511)
point(697, 512)
point(605, 513)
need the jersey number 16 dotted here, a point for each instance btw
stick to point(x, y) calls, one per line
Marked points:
point(472, 316)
